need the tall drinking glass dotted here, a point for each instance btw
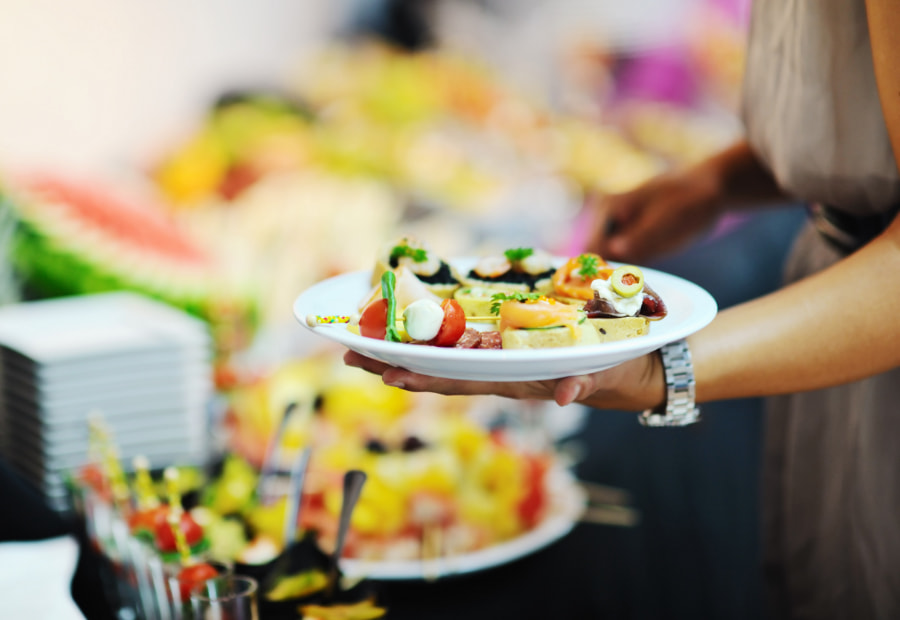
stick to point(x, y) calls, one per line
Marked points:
point(230, 597)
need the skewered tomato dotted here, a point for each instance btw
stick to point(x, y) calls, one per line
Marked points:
point(453, 326)
point(165, 537)
point(373, 320)
point(194, 574)
point(144, 521)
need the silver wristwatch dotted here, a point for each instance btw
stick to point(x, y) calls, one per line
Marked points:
point(680, 409)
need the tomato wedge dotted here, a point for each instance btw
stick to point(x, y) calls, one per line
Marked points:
point(373, 320)
point(453, 325)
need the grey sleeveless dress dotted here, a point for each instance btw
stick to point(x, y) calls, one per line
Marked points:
point(831, 479)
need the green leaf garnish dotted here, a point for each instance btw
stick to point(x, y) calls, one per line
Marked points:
point(498, 298)
point(388, 281)
point(417, 254)
point(587, 266)
point(514, 255)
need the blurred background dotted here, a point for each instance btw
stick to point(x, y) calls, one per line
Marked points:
point(220, 157)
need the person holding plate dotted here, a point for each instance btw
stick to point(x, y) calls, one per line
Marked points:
point(822, 116)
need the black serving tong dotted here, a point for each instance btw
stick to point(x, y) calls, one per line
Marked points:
point(270, 472)
point(287, 562)
point(353, 484)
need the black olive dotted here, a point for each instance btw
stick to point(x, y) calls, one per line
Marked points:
point(376, 446)
point(412, 444)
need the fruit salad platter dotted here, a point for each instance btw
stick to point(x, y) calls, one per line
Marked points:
point(523, 315)
point(455, 484)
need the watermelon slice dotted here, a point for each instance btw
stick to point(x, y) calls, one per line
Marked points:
point(74, 239)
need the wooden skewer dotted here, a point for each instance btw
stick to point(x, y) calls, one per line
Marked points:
point(318, 320)
point(432, 543)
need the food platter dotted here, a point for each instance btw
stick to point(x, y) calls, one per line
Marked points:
point(690, 308)
point(567, 502)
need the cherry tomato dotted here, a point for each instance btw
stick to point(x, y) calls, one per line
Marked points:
point(532, 503)
point(373, 320)
point(165, 537)
point(193, 574)
point(92, 476)
point(145, 520)
point(453, 325)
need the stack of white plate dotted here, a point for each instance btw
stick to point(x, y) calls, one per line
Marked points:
point(143, 368)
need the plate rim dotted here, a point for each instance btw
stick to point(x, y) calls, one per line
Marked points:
point(568, 505)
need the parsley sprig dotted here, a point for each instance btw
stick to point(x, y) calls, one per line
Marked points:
point(514, 255)
point(417, 254)
point(498, 298)
point(588, 266)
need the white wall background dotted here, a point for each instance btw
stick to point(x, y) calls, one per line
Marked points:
point(96, 85)
point(88, 85)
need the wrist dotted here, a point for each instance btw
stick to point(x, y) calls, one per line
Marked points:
point(679, 407)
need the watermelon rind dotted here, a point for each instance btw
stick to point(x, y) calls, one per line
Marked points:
point(55, 254)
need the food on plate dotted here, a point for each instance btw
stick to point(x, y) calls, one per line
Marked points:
point(437, 275)
point(424, 321)
point(583, 301)
point(623, 306)
point(407, 289)
point(534, 321)
point(517, 269)
point(475, 301)
point(572, 281)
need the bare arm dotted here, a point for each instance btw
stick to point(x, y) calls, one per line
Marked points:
point(884, 21)
point(819, 332)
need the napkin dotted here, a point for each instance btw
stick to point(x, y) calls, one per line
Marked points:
point(36, 579)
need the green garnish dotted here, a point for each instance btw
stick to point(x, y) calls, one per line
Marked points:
point(588, 266)
point(498, 298)
point(417, 254)
point(515, 255)
point(388, 281)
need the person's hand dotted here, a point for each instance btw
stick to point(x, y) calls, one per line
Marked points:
point(632, 386)
point(658, 217)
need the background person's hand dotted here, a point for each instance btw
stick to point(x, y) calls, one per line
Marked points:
point(632, 386)
point(660, 216)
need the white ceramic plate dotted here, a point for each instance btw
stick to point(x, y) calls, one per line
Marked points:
point(567, 502)
point(690, 309)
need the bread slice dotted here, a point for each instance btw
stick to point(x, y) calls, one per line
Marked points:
point(591, 331)
point(550, 337)
point(543, 286)
point(475, 300)
point(609, 330)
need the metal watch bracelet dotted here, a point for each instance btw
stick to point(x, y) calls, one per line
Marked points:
point(680, 408)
